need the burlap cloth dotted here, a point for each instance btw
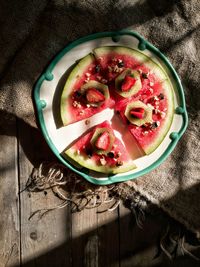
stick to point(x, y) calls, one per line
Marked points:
point(32, 32)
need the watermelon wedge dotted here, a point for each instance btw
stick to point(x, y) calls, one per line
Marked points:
point(84, 93)
point(100, 150)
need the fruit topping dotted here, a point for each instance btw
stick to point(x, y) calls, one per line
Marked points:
point(127, 83)
point(137, 113)
point(103, 141)
point(94, 96)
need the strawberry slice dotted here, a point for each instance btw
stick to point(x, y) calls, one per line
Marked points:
point(137, 113)
point(94, 96)
point(127, 83)
point(103, 141)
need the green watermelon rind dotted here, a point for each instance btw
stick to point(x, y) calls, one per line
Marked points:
point(89, 163)
point(66, 116)
point(160, 73)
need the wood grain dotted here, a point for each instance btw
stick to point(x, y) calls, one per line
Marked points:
point(85, 238)
point(45, 241)
point(108, 233)
point(9, 201)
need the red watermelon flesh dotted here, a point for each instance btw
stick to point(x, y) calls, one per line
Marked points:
point(109, 63)
point(117, 160)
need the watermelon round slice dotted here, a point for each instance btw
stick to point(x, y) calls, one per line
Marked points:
point(76, 102)
point(87, 151)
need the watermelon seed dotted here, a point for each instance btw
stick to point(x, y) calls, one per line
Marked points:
point(89, 152)
point(87, 122)
point(161, 96)
point(97, 68)
point(120, 64)
point(145, 75)
point(78, 93)
point(111, 155)
point(119, 163)
point(154, 125)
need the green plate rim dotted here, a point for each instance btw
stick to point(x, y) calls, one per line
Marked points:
point(143, 44)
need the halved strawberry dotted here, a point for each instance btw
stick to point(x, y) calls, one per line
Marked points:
point(137, 113)
point(103, 141)
point(127, 83)
point(94, 96)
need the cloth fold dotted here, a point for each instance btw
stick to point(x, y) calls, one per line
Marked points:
point(32, 32)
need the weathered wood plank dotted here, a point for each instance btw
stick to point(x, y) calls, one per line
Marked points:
point(85, 238)
point(108, 233)
point(138, 246)
point(45, 241)
point(9, 201)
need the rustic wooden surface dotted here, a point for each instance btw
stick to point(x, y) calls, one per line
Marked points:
point(90, 238)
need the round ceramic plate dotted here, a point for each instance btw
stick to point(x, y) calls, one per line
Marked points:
point(49, 87)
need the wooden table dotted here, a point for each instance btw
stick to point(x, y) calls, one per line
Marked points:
point(62, 238)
